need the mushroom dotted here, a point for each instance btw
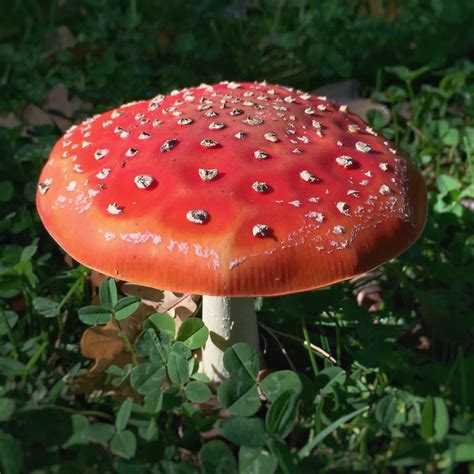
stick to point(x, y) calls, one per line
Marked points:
point(168, 212)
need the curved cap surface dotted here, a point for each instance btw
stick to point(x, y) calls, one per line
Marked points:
point(230, 189)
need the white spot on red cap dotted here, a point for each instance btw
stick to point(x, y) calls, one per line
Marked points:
point(168, 145)
point(185, 121)
point(305, 175)
point(207, 174)
point(208, 143)
point(260, 187)
point(363, 147)
point(271, 137)
point(253, 121)
point(143, 181)
point(99, 154)
point(45, 185)
point(216, 125)
point(102, 174)
point(197, 216)
point(318, 216)
point(260, 155)
point(71, 186)
point(114, 208)
point(343, 208)
point(131, 152)
point(260, 230)
point(344, 161)
point(233, 85)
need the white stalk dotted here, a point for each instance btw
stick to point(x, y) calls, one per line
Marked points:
point(229, 320)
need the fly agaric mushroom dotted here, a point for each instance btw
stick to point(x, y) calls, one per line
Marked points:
point(230, 191)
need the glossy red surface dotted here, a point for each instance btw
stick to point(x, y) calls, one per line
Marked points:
point(358, 213)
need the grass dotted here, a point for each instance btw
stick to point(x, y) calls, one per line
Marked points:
point(382, 391)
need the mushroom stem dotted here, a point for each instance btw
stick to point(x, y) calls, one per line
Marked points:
point(229, 320)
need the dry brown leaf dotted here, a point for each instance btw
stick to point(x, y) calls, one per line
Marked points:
point(468, 203)
point(345, 92)
point(9, 120)
point(96, 280)
point(178, 305)
point(58, 41)
point(58, 109)
point(386, 10)
point(104, 343)
point(368, 290)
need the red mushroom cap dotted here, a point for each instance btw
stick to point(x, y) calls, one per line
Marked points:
point(230, 189)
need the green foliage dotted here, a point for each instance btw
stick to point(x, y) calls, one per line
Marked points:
point(112, 307)
point(242, 431)
point(274, 384)
point(281, 417)
point(215, 456)
point(197, 392)
point(193, 333)
point(368, 395)
point(256, 460)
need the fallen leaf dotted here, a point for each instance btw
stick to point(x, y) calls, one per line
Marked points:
point(386, 10)
point(57, 109)
point(178, 305)
point(346, 92)
point(96, 280)
point(368, 290)
point(58, 41)
point(104, 343)
point(9, 120)
point(468, 203)
point(417, 338)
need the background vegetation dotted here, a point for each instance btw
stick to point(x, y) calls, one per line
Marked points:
point(383, 391)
